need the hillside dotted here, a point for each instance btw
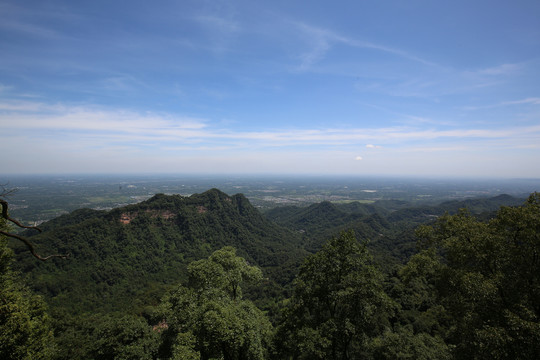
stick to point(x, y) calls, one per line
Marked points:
point(387, 225)
point(129, 255)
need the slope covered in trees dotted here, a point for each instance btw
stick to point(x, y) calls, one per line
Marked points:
point(202, 269)
point(485, 278)
point(388, 225)
point(134, 252)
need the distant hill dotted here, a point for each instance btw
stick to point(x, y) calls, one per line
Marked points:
point(131, 254)
point(387, 225)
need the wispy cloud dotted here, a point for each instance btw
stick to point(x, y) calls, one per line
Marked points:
point(321, 40)
point(11, 25)
point(4, 88)
point(526, 101)
point(17, 18)
point(532, 101)
point(136, 129)
point(26, 115)
point(220, 30)
point(218, 24)
point(504, 69)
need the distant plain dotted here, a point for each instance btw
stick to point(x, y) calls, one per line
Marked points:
point(38, 198)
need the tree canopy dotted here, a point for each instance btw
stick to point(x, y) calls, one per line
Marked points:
point(25, 326)
point(337, 305)
point(208, 318)
point(488, 281)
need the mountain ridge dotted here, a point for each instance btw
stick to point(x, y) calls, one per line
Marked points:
point(129, 251)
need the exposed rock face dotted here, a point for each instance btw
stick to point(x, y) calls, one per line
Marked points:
point(127, 217)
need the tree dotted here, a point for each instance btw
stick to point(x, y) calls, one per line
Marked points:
point(338, 303)
point(222, 271)
point(420, 323)
point(209, 319)
point(25, 331)
point(405, 344)
point(125, 338)
point(489, 281)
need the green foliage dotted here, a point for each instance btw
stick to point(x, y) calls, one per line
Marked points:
point(125, 338)
point(338, 303)
point(223, 270)
point(25, 331)
point(389, 224)
point(489, 282)
point(404, 344)
point(209, 319)
point(130, 256)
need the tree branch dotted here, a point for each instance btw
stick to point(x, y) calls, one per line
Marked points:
point(28, 244)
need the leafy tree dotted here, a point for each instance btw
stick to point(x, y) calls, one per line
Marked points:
point(489, 281)
point(25, 331)
point(337, 306)
point(405, 344)
point(209, 319)
point(223, 271)
point(416, 293)
point(125, 338)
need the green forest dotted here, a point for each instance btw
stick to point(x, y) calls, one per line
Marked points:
point(208, 276)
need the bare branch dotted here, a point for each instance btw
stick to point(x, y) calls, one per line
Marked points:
point(5, 192)
point(28, 244)
point(31, 247)
point(7, 217)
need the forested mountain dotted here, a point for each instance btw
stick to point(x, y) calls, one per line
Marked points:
point(326, 217)
point(130, 254)
point(187, 277)
point(387, 225)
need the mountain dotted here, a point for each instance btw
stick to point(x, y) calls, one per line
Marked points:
point(314, 218)
point(387, 225)
point(128, 256)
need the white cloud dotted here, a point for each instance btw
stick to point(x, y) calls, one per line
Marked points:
point(533, 101)
point(55, 136)
point(504, 69)
point(218, 24)
point(529, 100)
point(123, 125)
point(321, 41)
point(4, 88)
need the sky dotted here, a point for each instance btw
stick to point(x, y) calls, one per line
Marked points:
point(401, 88)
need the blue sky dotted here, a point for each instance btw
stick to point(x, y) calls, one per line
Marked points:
point(417, 88)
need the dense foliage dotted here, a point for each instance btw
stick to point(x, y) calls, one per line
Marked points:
point(201, 277)
point(209, 319)
point(25, 328)
point(150, 244)
point(337, 306)
point(486, 277)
